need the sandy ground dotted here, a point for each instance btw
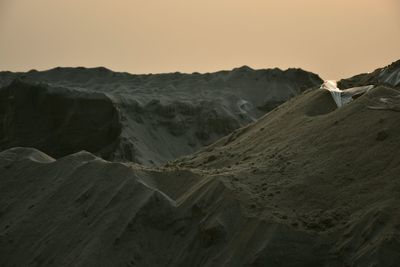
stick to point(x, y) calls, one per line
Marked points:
point(306, 185)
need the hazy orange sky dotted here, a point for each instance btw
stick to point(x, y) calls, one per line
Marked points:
point(336, 38)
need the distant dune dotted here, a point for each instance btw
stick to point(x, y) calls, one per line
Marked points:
point(148, 119)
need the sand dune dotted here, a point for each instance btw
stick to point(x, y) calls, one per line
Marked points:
point(150, 119)
point(308, 184)
point(321, 169)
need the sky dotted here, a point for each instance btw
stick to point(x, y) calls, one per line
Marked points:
point(336, 38)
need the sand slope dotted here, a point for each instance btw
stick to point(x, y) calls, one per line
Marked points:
point(306, 185)
point(322, 169)
point(150, 118)
point(83, 211)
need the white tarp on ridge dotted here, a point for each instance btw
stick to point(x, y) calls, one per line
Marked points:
point(342, 97)
point(389, 76)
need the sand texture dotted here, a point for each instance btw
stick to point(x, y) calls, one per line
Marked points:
point(307, 184)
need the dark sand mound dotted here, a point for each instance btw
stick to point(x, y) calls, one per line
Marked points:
point(154, 118)
point(306, 185)
point(335, 174)
point(83, 211)
point(57, 121)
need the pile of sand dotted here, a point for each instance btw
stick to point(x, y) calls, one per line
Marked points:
point(306, 185)
point(148, 119)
